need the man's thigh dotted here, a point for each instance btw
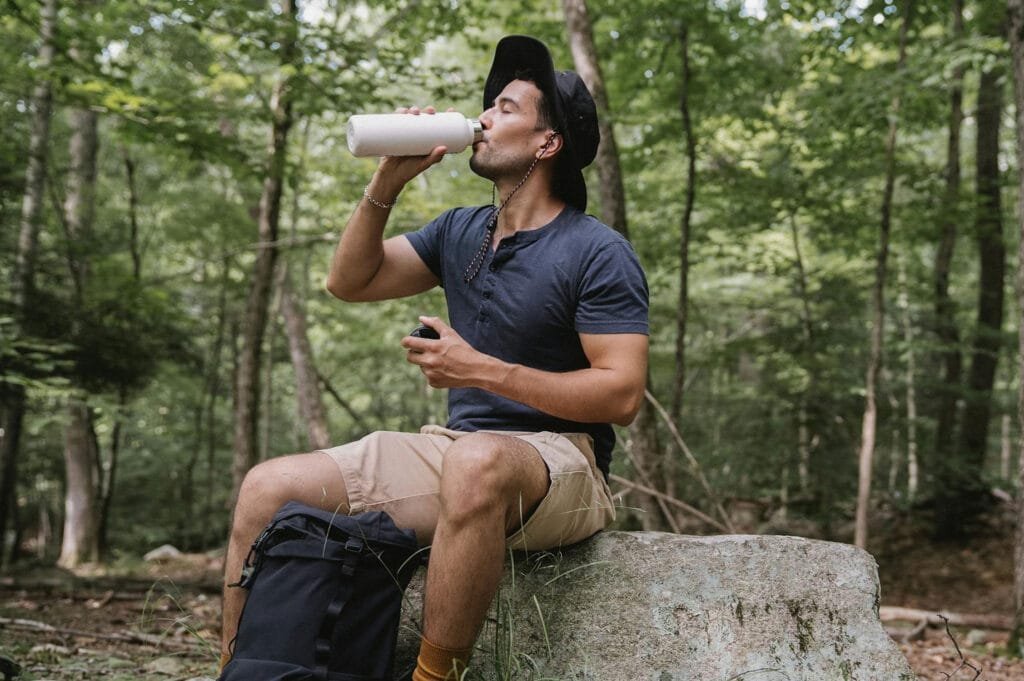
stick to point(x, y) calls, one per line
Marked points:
point(578, 502)
point(400, 473)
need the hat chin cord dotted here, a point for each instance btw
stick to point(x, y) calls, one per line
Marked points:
point(478, 260)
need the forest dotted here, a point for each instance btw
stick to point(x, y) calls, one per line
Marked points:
point(825, 197)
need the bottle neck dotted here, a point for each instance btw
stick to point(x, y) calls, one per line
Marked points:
point(477, 128)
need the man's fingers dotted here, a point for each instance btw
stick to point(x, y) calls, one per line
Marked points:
point(436, 323)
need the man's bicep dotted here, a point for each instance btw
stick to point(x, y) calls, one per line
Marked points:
point(624, 352)
point(402, 273)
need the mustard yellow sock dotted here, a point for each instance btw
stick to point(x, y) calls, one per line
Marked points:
point(440, 664)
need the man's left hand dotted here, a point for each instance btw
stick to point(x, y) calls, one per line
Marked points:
point(448, 362)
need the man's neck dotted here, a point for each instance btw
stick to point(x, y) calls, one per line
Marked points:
point(532, 207)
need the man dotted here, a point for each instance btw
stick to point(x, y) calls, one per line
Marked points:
point(547, 347)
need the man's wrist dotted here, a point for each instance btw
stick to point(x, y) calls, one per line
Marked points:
point(381, 193)
point(376, 202)
point(496, 374)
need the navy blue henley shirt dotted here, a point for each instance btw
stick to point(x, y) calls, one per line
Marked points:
point(528, 304)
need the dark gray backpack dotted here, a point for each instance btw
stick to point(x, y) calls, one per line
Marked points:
point(325, 597)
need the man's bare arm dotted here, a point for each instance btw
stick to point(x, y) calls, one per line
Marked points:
point(611, 390)
point(365, 267)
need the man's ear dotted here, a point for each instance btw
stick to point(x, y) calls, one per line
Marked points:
point(551, 147)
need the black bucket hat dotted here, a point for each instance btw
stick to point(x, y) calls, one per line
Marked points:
point(570, 100)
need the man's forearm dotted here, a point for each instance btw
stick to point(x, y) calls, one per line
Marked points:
point(360, 250)
point(586, 395)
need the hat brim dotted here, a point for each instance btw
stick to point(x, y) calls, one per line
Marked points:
point(517, 53)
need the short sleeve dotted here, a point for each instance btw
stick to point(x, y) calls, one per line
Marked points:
point(428, 242)
point(613, 293)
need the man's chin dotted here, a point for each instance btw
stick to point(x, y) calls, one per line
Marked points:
point(480, 168)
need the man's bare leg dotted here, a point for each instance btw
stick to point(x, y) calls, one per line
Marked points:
point(489, 483)
point(313, 479)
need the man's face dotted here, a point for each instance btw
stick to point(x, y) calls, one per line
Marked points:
point(512, 135)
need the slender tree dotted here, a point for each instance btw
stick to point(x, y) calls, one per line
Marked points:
point(12, 400)
point(870, 419)
point(81, 513)
point(247, 389)
point(960, 493)
point(690, 141)
point(945, 310)
point(1016, 15)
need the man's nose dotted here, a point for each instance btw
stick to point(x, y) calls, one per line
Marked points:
point(485, 119)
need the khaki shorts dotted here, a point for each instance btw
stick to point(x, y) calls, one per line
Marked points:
point(400, 473)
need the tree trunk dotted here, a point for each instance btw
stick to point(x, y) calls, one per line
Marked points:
point(643, 431)
point(35, 169)
point(870, 421)
point(80, 543)
point(307, 387)
point(585, 59)
point(133, 220)
point(911, 385)
point(12, 399)
point(945, 309)
point(1015, 644)
point(961, 492)
point(805, 439)
point(108, 477)
point(679, 380)
point(247, 389)
point(81, 537)
point(211, 389)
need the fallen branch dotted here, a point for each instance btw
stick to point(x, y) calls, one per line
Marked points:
point(889, 613)
point(90, 588)
point(125, 637)
point(904, 636)
point(670, 500)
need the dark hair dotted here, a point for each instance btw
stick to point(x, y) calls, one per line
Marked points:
point(545, 114)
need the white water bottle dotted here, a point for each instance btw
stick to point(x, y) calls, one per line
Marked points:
point(399, 134)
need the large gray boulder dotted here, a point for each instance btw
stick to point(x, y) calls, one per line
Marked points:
point(631, 606)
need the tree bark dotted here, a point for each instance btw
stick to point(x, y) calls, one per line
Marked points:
point(35, 170)
point(911, 383)
point(961, 492)
point(133, 219)
point(211, 390)
point(644, 429)
point(81, 537)
point(80, 543)
point(870, 420)
point(682, 310)
point(307, 387)
point(108, 477)
point(1015, 644)
point(12, 399)
point(247, 389)
point(805, 439)
point(585, 59)
point(945, 310)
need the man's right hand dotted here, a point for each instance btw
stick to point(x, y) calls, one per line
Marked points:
point(394, 172)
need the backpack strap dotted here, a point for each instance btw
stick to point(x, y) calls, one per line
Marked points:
point(353, 551)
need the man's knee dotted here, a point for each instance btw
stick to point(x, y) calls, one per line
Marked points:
point(310, 478)
point(478, 475)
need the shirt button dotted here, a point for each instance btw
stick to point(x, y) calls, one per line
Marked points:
point(493, 267)
point(487, 295)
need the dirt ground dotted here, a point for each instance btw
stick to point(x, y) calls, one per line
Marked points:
point(974, 576)
point(160, 621)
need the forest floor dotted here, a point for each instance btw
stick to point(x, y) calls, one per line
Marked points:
point(160, 621)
